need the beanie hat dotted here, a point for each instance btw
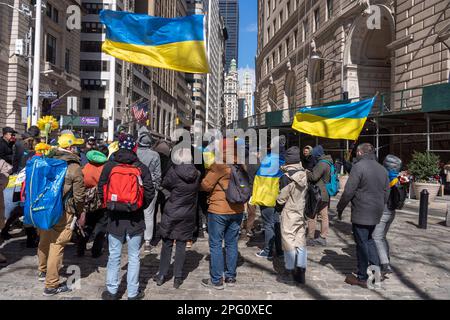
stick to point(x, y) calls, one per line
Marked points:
point(126, 141)
point(96, 157)
point(292, 155)
point(318, 151)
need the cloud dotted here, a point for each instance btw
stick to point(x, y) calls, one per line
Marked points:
point(242, 72)
point(253, 27)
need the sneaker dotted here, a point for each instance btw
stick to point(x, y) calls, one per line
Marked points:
point(160, 280)
point(42, 276)
point(321, 241)
point(230, 282)
point(386, 269)
point(177, 282)
point(139, 296)
point(106, 295)
point(208, 283)
point(310, 243)
point(354, 281)
point(63, 288)
point(264, 255)
point(147, 247)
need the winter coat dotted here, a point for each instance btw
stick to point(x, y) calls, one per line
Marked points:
point(217, 201)
point(6, 151)
point(73, 182)
point(178, 220)
point(321, 175)
point(368, 190)
point(92, 173)
point(122, 223)
point(309, 162)
point(151, 159)
point(292, 195)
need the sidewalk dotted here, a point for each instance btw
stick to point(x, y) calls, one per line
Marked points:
point(420, 258)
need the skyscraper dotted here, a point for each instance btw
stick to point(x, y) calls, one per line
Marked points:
point(229, 10)
point(231, 94)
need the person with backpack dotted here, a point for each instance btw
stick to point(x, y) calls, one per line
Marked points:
point(53, 241)
point(320, 176)
point(178, 222)
point(368, 190)
point(93, 221)
point(151, 159)
point(126, 188)
point(293, 185)
point(396, 200)
point(226, 206)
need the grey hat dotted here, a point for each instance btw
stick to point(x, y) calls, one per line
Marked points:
point(145, 140)
point(292, 155)
point(392, 163)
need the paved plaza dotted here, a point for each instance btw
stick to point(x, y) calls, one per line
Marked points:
point(420, 259)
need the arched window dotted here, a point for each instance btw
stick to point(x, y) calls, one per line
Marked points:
point(290, 91)
point(317, 82)
point(272, 98)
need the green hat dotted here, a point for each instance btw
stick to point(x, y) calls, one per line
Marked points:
point(97, 157)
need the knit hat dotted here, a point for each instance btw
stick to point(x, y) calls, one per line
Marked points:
point(392, 163)
point(145, 140)
point(126, 141)
point(318, 151)
point(292, 155)
point(96, 157)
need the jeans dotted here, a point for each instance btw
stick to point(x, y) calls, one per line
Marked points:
point(149, 215)
point(166, 255)
point(366, 250)
point(223, 227)
point(379, 235)
point(272, 231)
point(300, 255)
point(113, 267)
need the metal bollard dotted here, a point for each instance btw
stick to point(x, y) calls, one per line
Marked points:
point(423, 210)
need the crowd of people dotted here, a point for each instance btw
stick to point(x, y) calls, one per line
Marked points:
point(113, 192)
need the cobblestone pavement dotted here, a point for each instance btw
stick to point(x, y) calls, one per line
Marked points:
point(420, 259)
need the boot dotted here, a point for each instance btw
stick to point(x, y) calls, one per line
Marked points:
point(386, 269)
point(299, 275)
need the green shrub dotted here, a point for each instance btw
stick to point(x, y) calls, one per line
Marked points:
point(424, 166)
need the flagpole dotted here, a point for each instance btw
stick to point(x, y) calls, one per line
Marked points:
point(112, 90)
point(36, 64)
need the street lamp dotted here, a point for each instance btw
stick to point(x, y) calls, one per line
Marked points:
point(316, 56)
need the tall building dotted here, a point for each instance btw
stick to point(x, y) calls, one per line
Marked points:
point(399, 49)
point(246, 92)
point(231, 94)
point(215, 46)
point(60, 77)
point(229, 10)
point(106, 81)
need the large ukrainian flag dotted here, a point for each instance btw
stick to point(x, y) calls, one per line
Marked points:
point(266, 186)
point(343, 121)
point(168, 43)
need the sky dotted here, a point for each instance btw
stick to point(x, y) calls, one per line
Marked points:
point(248, 12)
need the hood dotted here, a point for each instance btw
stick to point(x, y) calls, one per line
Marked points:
point(125, 156)
point(187, 172)
point(65, 155)
point(296, 173)
point(145, 139)
point(318, 151)
point(326, 157)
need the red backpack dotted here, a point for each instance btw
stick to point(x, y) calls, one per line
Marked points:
point(124, 191)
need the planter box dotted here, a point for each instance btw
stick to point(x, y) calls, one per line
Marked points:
point(433, 189)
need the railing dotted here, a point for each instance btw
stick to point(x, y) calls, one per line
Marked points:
point(418, 99)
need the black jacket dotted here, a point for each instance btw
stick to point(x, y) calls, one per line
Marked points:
point(368, 190)
point(7, 151)
point(321, 175)
point(178, 220)
point(309, 162)
point(122, 223)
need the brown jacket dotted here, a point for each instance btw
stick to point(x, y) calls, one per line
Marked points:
point(217, 201)
point(73, 181)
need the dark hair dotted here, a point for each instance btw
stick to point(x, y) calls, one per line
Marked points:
point(366, 148)
point(104, 149)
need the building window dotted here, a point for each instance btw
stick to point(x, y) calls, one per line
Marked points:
point(287, 47)
point(268, 34)
point(86, 104)
point(51, 49)
point(91, 46)
point(118, 69)
point(280, 19)
point(94, 8)
point(67, 61)
point(273, 59)
point(92, 27)
point(118, 87)
point(316, 19)
point(305, 29)
point(52, 13)
point(268, 8)
point(93, 65)
point(91, 84)
point(102, 104)
point(267, 65)
point(329, 9)
point(288, 9)
point(279, 53)
point(294, 40)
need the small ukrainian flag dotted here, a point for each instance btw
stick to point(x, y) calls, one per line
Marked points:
point(168, 43)
point(343, 121)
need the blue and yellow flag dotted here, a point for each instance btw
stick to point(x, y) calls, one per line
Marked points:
point(266, 186)
point(168, 43)
point(343, 121)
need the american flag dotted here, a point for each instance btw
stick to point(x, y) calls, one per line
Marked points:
point(140, 111)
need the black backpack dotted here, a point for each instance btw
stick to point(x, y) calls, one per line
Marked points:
point(239, 191)
point(397, 198)
point(313, 199)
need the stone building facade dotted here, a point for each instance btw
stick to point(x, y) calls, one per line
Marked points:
point(385, 46)
point(231, 93)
